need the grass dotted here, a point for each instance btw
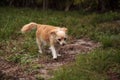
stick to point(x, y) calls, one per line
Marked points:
point(21, 48)
point(92, 66)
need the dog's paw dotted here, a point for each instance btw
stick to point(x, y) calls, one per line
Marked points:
point(55, 58)
point(40, 51)
point(58, 54)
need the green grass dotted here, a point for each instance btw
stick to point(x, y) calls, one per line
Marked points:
point(21, 48)
point(92, 66)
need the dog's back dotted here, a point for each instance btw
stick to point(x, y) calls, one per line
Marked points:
point(43, 31)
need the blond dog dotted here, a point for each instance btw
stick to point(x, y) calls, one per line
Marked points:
point(47, 34)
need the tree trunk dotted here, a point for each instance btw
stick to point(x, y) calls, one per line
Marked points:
point(11, 2)
point(101, 5)
point(45, 4)
point(68, 4)
point(67, 7)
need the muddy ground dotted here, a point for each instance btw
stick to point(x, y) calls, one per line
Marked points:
point(12, 71)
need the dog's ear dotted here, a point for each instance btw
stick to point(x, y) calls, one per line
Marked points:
point(64, 29)
point(53, 32)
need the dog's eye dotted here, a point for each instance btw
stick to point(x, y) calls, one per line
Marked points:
point(65, 38)
point(59, 39)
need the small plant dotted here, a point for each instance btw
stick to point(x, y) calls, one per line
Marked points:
point(21, 59)
point(16, 58)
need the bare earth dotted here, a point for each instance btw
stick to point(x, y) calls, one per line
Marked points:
point(13, 71)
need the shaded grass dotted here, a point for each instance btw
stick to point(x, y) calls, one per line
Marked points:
point(21, 48)
point(106, 17)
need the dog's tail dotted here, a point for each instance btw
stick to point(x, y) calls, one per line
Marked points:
point(29, 27)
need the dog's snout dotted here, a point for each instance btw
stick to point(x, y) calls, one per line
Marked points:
point(63, 44)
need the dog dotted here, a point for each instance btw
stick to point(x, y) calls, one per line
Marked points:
point(47, 35)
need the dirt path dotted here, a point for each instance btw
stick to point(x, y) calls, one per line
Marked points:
point(15, 72)
point(68, 53)
point(11, 71)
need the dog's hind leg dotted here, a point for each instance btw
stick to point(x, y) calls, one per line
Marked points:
point(39, 44)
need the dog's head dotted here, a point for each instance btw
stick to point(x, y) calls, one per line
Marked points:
point(60, 35)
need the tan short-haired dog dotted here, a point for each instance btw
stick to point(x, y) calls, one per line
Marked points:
point(47, 34)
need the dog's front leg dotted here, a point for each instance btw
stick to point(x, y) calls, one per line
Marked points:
point(54, 54)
